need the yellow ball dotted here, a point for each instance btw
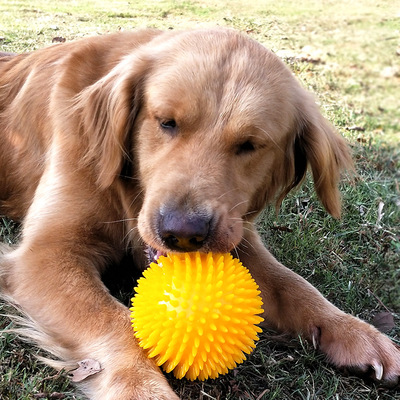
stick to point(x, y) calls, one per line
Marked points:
point(197, 314)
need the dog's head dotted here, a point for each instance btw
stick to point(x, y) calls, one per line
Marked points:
point(216, 127)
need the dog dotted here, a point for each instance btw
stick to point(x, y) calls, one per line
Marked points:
point(173, 141)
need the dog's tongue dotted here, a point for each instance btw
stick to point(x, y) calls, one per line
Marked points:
point(158, 254)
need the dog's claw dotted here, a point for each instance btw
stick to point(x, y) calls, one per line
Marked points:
point(378, 368)
point(316, 337)
point(314, 342)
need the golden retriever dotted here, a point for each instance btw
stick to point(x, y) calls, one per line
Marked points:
point(172, 140)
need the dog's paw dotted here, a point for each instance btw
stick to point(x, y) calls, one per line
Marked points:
point(128, 384)
point(349, 342)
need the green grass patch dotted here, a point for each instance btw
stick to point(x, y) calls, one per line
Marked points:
point(347, 54)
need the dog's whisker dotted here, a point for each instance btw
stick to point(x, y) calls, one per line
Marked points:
point(235, 251)
point(224, 194)
point(250, 213)
point(245, 242)
point(130, 232)
point(238, 204)
point(120, 220)
point(239, 219)
point(135, 198)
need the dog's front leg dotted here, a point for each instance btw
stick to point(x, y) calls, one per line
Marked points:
point(75, 317)
point(293, 305)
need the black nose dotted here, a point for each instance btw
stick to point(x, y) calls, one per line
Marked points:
point(184, 231)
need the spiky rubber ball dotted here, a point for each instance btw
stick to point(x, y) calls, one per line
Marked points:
point(196, 314)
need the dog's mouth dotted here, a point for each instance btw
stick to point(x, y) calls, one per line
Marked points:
point(153, 255)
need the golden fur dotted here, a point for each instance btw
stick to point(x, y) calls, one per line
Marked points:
point(169, 140)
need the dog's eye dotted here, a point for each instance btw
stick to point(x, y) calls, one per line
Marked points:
point(168, 124)
point(245, 147)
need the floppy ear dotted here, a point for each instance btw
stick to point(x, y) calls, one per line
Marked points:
point(318, 145)
point(108, 110)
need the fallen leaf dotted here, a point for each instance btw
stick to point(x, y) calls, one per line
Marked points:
point(383, 321)
point(356, 128)
point(307, 54)
point(86, 368)
point(281, 228)
point(362, 210)
point(58, 39)
point(390, 72)
point(54, 395)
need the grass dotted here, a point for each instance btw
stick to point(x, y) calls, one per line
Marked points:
point(348, 56)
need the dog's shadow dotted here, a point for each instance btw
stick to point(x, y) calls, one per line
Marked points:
point(120, 278)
